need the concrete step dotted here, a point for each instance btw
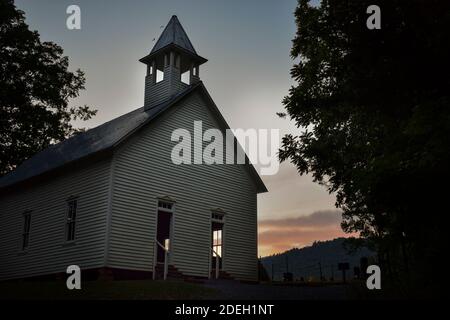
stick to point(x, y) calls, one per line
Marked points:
point(174, 273)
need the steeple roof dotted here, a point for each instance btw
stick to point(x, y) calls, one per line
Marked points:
point(173, 38)
point(174, 34)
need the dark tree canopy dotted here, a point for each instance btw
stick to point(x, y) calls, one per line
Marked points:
point(374, 110)
point(35, 87)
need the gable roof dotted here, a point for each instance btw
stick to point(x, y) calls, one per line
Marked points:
point(102, 138)
point(174, 34)
point(86, 143)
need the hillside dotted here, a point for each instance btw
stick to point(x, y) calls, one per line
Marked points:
point(307, 262)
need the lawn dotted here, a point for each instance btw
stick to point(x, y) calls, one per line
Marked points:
point(109, 290)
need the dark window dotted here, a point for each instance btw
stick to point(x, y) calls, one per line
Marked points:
point(26, 230)
point(71, 219)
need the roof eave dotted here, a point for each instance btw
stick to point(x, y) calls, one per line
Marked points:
point(79, 162)
point(260, 186)
point(148, 58)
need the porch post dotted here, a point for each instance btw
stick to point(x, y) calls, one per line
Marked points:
point(154, 259)
point(217, 266)
point(209, 264)
point(166, 264)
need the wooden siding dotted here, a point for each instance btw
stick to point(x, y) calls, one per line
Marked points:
point(156, 93)
point(143, 171)
point(47, 252)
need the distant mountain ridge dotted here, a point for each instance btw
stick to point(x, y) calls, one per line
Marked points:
point(307, 262)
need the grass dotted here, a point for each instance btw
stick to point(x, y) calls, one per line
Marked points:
point(105, 290)
point(305, 283)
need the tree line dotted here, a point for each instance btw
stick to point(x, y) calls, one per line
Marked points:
point(373, 109)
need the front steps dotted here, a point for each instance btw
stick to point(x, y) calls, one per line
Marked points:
point(223, 275)
point(174, 274)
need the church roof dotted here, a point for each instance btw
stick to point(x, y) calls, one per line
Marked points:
point(87, 143)
point(174, 34)
point(102, 138)
point(173, 37)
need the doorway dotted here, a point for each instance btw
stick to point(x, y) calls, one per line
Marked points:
point(217, 243)
point(163, 233)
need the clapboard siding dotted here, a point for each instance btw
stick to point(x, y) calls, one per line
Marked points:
point(159, 92)
point(47, 252)
point(143, 171)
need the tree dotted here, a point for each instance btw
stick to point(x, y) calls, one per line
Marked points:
point(35, 87)
point(373, 111)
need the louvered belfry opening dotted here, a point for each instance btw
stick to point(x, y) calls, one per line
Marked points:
point(172, 56)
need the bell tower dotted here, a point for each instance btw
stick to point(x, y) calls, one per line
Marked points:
point(172, 56)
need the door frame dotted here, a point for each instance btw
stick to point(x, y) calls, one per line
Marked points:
point(168, 200)
point(221, 221)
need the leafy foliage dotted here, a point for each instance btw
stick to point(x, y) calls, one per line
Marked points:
point(373, 106)
point(35, 87)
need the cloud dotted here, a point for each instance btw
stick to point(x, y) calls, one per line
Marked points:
point(291, 194)
point(277, 235)
point(316, 219)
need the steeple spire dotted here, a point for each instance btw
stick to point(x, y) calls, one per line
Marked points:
point(174, 34)
point(173, 55)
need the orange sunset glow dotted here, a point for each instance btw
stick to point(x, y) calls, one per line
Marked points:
point(278, 235)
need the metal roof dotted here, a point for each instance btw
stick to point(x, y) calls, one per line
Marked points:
point(174, 34)
point(89, 142)
point(104, 137)
point(173, 38)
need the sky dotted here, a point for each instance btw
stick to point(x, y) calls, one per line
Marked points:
point(247, 44)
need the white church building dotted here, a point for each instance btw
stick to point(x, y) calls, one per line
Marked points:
point(112, 201)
